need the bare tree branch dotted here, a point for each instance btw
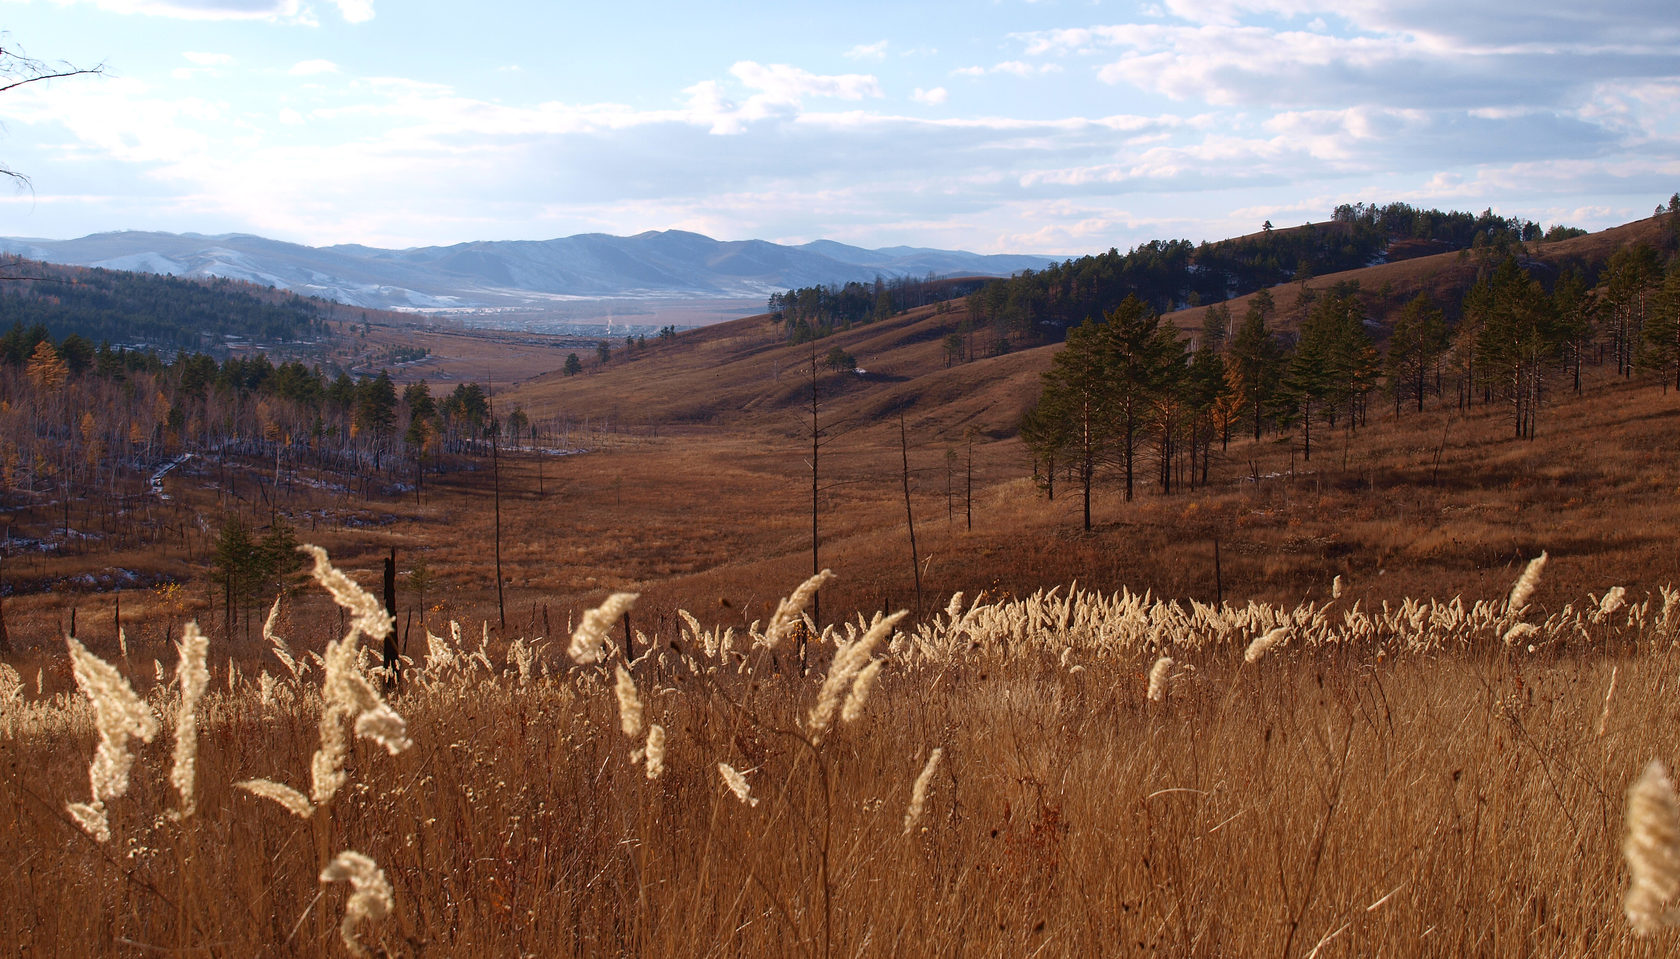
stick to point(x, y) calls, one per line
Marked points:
point(18, 70)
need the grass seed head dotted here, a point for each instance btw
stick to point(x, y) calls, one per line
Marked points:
point(737, 784)
point(1525, 584)
point(655, 751)
point(862, 686)
point(1158, 679)
point(193, 676)
point(1273, 638)
point(293, 801)
point(918, 792)
point(1652, 849)
point(370, 894)
point(629, 705)
point(591, 634)
point(790, 610)
point(119, 715)
point(368, 613)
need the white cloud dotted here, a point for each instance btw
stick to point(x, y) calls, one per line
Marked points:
point(781, 83)
point(868, 51)
point(932, 98)
point(311, 68)
point(781, 91)
point(355, 11)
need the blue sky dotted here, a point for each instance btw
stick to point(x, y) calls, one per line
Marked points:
point(1056, 126)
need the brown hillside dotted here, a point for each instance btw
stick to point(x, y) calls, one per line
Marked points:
point(694, 487)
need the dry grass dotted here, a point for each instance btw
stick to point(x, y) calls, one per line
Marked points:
point(1398, 783)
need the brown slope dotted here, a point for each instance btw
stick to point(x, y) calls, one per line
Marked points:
point(739, 375)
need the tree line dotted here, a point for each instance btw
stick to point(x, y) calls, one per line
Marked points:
point(1040, 306)
point(1131, 395)
point(813, 312)
point(87, 424)
point(148, 310)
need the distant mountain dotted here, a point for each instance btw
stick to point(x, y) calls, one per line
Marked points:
point(671, 263)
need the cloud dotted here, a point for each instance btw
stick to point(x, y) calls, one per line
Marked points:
point(776, 91)
point(932, 98)
point(355, 11)
point(868, 51)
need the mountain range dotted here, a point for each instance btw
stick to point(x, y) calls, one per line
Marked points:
point(514, 273)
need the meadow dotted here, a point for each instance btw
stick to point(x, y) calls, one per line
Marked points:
point(1304, 708)
point(1068, 773)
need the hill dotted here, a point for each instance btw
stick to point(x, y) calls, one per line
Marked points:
point(504, 274)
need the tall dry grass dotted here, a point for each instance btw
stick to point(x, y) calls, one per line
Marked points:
point(1396, 781)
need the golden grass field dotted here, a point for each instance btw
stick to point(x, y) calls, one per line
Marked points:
point(1401, 775)
point(1433, 780)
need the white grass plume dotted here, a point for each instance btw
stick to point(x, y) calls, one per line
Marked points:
point(737, 784)
point(591, 633)
point(193, 677)
point(1158, 679)
point(278, 646)
point(293, 801)
point(1613, 600)
point(119, 715)
point(629, 705)
point(1652, 850)
point(346, 695)
point(368, 614)
point(655, 751)
point(1263, 644)
point(1524, 586)
point(918, 792)
point(1604, 717)
point(849, 662)
point(862, 686)
point(370, 896)
point(790, 609)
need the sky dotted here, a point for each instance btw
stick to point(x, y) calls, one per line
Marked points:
point(996, 126)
